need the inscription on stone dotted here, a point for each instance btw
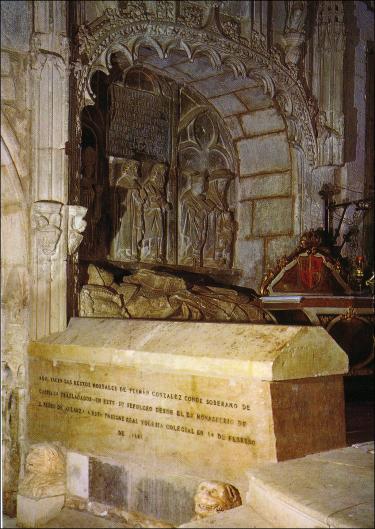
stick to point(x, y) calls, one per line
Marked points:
point(117, 410)
point(138, 124)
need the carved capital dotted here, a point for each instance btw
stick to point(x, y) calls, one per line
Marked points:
point(46, 221)
point(76, 226)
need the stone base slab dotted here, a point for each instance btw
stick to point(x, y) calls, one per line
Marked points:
point(34, 512)
point(330, 489)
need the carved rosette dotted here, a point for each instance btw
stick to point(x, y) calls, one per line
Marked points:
point(115, 30)
point(46, 221)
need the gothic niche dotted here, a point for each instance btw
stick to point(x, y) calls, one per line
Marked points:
point(157, 175)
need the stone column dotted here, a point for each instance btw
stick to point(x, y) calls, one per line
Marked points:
point(49, 96)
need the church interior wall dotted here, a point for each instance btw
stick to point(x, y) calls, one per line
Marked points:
point(276, 193)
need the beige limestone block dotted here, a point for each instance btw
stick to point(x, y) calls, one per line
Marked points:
point(273, 216)
point(258, 351)
point(77, 474)
point(243, 516)
point(5, 63)
point(332, 489)
point(262, 122)
point(265, 186)
point(32, 512)
point(263, 154)
point(228, 105)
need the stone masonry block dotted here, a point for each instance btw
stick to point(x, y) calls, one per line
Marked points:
point(254, 98)
point(262, 122)
point(33, 512)
point(279, 247)
point(5, 63)
point(228, 105)
point(8, 90)
point(265, 186)
point(264, 154)
point(234, 127)
point(77, 470)
point(244, 219)
point(250, 258)
point(221, 84)
point(272, 216)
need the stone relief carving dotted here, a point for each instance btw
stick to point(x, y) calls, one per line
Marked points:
point(46, 220)
point(155, 205)
point(140, 206)
point(249, 58)
point(149, 294)
point(294, 33)
point(215, 496)
point(206, 224)
point(44, 472)
point(76, 226)
point(328, 84)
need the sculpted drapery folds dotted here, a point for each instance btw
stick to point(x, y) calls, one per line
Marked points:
point(155, 206)
point(149, 294)
point(128, 218)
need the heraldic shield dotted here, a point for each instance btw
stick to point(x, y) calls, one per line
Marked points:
point(311, 270)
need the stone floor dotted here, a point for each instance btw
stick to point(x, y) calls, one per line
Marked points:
point(330, 489)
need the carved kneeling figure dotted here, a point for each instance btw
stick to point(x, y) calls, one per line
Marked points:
point(213, 497)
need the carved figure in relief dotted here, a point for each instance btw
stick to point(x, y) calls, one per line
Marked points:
point(155, 206)
point(129, 225)
point(294, 33)
point(221, 226)
point(45, 472)
point(149, 294)
point(76, 226)
point(90, 192)
point(194, 215)
point(215, 496)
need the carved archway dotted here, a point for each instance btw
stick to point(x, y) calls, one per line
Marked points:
point(131, 32)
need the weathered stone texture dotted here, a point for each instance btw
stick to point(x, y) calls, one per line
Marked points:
point(273, 216)
point(234, 126)
point(254, 98)
point(278, 247)
point(77, 474)
point(262, 122)
point(265, 186)
point(228, 105)
point(244, 219)
point(249, 258)
point(264, 154)
point(222, 84)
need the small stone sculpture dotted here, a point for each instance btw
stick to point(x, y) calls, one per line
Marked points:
point(45, 472)
point(215, 496)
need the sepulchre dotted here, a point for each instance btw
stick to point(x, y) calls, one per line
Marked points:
point(176, 150)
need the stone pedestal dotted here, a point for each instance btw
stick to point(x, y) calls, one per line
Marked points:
point(183, 401)
point(33, 512)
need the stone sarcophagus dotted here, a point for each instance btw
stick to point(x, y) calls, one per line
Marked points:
point(195, 400)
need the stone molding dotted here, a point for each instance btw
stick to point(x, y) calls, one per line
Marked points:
point(127, 31)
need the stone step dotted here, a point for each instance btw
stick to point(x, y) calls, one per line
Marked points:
point(244, 516)
point(329, 489)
